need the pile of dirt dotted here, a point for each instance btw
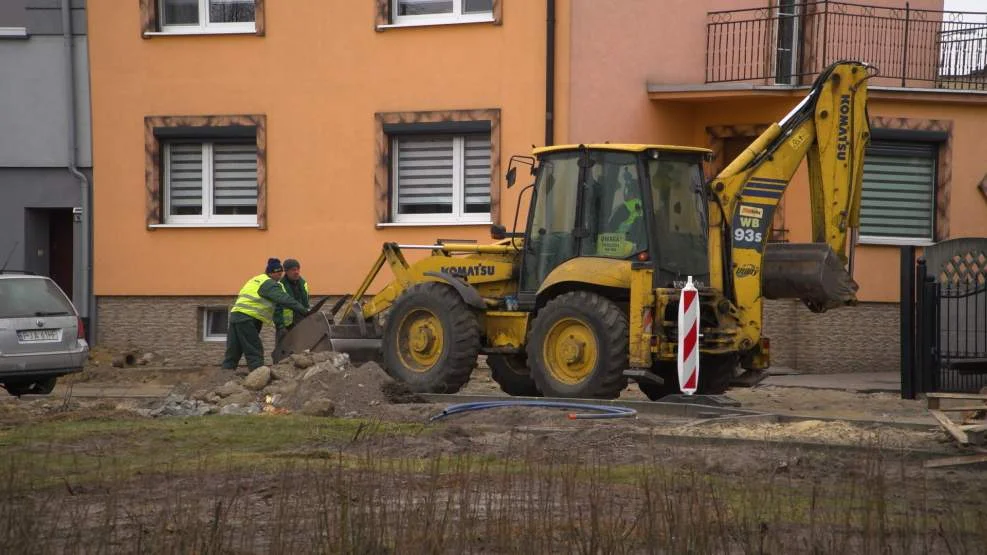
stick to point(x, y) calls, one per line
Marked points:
point(316, 384)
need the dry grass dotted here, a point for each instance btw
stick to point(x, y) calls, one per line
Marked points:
point(296, 485)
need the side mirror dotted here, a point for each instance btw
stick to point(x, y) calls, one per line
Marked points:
point(511, 177)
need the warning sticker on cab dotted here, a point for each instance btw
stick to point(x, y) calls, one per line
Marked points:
point(751, 211)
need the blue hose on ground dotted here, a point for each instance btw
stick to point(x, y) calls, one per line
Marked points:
point(603, 411)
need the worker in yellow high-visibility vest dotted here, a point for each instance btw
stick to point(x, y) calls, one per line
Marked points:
point(255, 306)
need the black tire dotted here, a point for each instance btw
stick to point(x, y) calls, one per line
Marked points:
point(41, 387)
point(715, 373)
point(606, 325)
point(512, 375)
point(448, 368)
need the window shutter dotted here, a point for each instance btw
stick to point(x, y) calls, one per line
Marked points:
point(185, 179)
point(898, 198)
point(476, 174)
point(425, 175)
point(235, 178)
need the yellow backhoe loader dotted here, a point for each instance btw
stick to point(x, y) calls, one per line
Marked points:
point(586, 297)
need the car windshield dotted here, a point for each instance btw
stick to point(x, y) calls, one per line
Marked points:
point(28, 297)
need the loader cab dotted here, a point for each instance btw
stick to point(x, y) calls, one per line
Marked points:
point(638, 203)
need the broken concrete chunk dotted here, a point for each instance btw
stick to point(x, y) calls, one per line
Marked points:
point(320, 356)
point(238, 399)
point(257, 379)
point(283, 372)
point(319, 407)
point(249, 408)
point(302, 360)
point(313, 371)
point(229, 388)
point(338, 360)
point(285, 388)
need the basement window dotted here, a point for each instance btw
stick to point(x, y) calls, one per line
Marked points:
point(215, 322)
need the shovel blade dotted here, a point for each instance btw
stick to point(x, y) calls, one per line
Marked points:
point(312, 333)
point(808, 271)
point(315, 333)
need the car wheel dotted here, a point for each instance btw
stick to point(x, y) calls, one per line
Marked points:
point(40, 387)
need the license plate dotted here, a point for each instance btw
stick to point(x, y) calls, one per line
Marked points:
point(28, 336)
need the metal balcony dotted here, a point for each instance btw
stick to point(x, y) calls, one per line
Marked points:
point(791, 42)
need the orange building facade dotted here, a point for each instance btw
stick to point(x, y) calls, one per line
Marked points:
point(228, 132)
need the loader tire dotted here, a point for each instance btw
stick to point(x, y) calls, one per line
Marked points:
point(512, 375)
point(578, 347)
point(431, 339)
point(715, 373)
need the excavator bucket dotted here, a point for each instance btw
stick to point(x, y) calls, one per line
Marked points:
point(808, 271)
point(312, 333)
point(316, 332)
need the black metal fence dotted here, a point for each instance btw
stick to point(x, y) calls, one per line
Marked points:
point(943, 323)
point(794, 41)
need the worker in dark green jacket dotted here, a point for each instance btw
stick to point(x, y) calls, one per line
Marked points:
point(296, 286)
point(259, 299)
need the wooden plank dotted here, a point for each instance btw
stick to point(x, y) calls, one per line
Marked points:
point(950, 427)
point(962, 408)
point(955, 461)
point(979, 396)
point(975, 433)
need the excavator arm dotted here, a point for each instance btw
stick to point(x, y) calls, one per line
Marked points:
point(830, 130)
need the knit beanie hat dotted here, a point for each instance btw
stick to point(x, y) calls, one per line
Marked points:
point(273, 265)
point(290, 263)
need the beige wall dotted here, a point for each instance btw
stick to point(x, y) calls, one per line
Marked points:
point(168, 326)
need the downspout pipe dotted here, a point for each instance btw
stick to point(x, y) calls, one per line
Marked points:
point(84, 296)
point(550, 74)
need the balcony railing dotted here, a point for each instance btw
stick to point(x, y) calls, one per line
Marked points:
point(793, 41)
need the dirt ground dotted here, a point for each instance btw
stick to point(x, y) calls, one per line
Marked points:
point(839, 440)
point(831, 417)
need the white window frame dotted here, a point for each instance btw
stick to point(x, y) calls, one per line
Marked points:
point(457, 16)
point(207, 217)
point(458, 215)
point(207, 311)
point(204, 26)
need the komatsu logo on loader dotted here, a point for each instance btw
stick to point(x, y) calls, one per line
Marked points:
point(843, 134)
point(468, 271)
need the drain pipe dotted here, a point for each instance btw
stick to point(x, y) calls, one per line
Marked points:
point(550, 74)
point(85, 296)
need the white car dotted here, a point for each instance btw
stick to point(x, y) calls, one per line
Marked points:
point(41, 334)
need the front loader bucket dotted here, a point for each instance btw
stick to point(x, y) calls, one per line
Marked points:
point(808, 271)
point(316, 333)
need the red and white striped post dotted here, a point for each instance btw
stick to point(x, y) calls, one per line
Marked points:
point(689, 338)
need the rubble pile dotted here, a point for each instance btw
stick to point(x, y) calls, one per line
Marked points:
point(316, 384)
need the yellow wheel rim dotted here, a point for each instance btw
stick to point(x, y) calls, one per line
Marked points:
point(420, 340)
point(570, 351)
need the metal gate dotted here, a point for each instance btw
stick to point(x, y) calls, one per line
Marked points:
point(944, 336)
